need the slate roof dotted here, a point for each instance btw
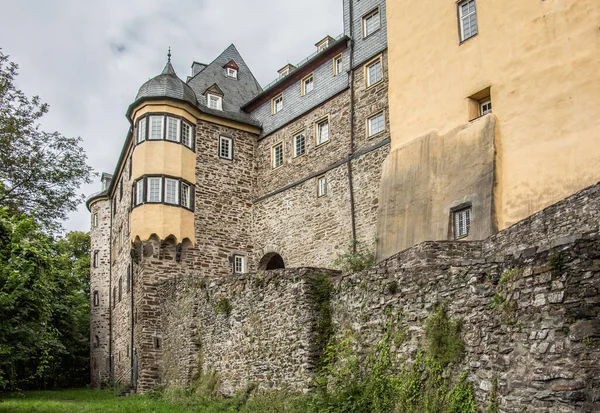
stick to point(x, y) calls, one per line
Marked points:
point(167, 84)
point(236, 92)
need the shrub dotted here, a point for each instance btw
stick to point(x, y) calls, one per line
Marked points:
point(355, 259)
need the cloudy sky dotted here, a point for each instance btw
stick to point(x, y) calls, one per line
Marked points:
point(88, 58)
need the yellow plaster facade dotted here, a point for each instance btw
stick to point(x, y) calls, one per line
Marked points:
point(541, 63)
point(162, 220)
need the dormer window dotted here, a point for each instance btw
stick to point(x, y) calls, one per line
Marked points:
point(214, 101)
point(323, 45)
point(231, 72)
point(284, 72)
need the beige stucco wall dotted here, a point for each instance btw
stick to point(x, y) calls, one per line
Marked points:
point(166, 158)
point(541, 60)
point(162, 220)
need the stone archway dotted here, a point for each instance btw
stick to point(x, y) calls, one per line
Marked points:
point(271, 261)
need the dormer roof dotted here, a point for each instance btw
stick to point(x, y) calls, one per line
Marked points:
point(214, 89)
point(231, 64)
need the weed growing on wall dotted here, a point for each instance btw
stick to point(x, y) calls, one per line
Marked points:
point(356, 258)
point(223, 306)
point(320, 291)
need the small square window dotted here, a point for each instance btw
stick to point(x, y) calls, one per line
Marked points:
point(214, 101)
point(154, 189)
point(338, 65)
point(376, 124)
point(322, 186)
point(156, 127)
point(225, 147)
point(299, 145)
point(239, 264)
point(322, 131)
point(371, 22)
point(171, 191)
point(173, 129)
point(308, 84)
point(277, 155)
point(186, 134)
point(374, 73)
point(231, 72)
point(141, 131)
point(485, 106)
point(277, 104)
point(462, 222)
point(467, 14)
point(185, 195)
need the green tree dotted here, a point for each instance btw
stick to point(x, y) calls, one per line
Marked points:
point(40, 172)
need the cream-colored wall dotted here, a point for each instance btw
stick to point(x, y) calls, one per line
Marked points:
point(541, 60)
point(163, 157)
point(162, 220)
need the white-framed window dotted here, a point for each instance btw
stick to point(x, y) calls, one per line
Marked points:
point(462, 222)
point(308, 84)
point(156, 127)
point(277, 155)
point(214, 101)
point(185, 195)
point(284, 72)
point(338, 65)
point(96, 299)
point(173, 129)
point(139, 192)
point(376, 124)
point(225, 147)
point(231, 72)
point(277, 104)
point(373, 72)
point(95, 220)
point(371, 22)
point(322, 185)
point(485, 106)
point(299, 144)
point(141, 131)
point(467, 14)
point(322, 131)
point(172, 191)
point(95, 259)
point(239, 264)
point(154, 189)
point(186, 134)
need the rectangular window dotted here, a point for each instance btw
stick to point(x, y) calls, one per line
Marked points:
point(239, 264)
point(173, 129)
point(186, 134)
point(225, 147)
point(322, 186)
point(171, 191)
point(277, 104)
point(462, 222)
point(139, 192)
point(467, 15)
point(120, 288)
point(185, 195)
point(308, 84)
point(156, 127)
point(277, 155)
point(375, 124)
point(485, 106)
point(141, 136)
point(322, 131)
point(96, 300)
point(154, 189)
point(95, 221)
point(128, 278)
point(114, 297)
point(299, 145)
point(231, 72)
point(371, 23)
point(214, 101)
point(374, 74)
point(95, 260)
point(338, 65)
point(121, 189)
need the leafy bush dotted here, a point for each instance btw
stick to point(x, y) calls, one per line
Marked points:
point(357, 258)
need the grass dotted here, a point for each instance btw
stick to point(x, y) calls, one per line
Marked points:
point(82, 401)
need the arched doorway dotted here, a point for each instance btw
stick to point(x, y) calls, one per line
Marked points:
point(271, 261)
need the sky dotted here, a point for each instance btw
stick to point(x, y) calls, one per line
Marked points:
point(87, 59)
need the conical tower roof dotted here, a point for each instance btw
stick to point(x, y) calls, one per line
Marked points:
point(167, 85)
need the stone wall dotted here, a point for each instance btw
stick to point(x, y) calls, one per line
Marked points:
point(249, 328)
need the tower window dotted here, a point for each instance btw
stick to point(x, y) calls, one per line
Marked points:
point(95, 220)
point(299, 145)
point(322, 186)
point(141, 136)
point(96, 341)
point(154, 189)
point(277, 155)
point(225, 147)
point(156, 127)
point(173, 129)
point(239, 264)
point(374, 74)
point(96, 299)
point(214, 101)
point(485, 107)
point(277, 104)
point(322, 131)
point(128, 289)
point(185, 195)
point(157, 342)
point(376, 124)
point(95, 260)
point(462, 222)
point(114, 297)
point(308, 84)
point(171, 191)
point(186, 135)
point(120, 288)
point(467, 14)
point(139, 192)
point(371, 22)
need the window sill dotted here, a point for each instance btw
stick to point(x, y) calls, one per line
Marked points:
point(467, 39)
point(371, 34)
point(377, 134)
point(323, 143)
point(373, 85)
point(299, 156)
point(273, 168)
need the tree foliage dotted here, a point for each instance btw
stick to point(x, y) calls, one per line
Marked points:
point(40, 172)
point(44, 306)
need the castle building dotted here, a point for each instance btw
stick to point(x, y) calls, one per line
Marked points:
point(219, 176)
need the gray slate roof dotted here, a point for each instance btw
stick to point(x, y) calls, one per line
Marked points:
point(236, 92)
point(167, 84)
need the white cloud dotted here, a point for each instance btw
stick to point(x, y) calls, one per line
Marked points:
point(87, 59)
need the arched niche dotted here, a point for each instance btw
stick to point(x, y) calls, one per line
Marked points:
point(271, 261)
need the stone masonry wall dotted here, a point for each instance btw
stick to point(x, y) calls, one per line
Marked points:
point(541, 340)
point(267, 336)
